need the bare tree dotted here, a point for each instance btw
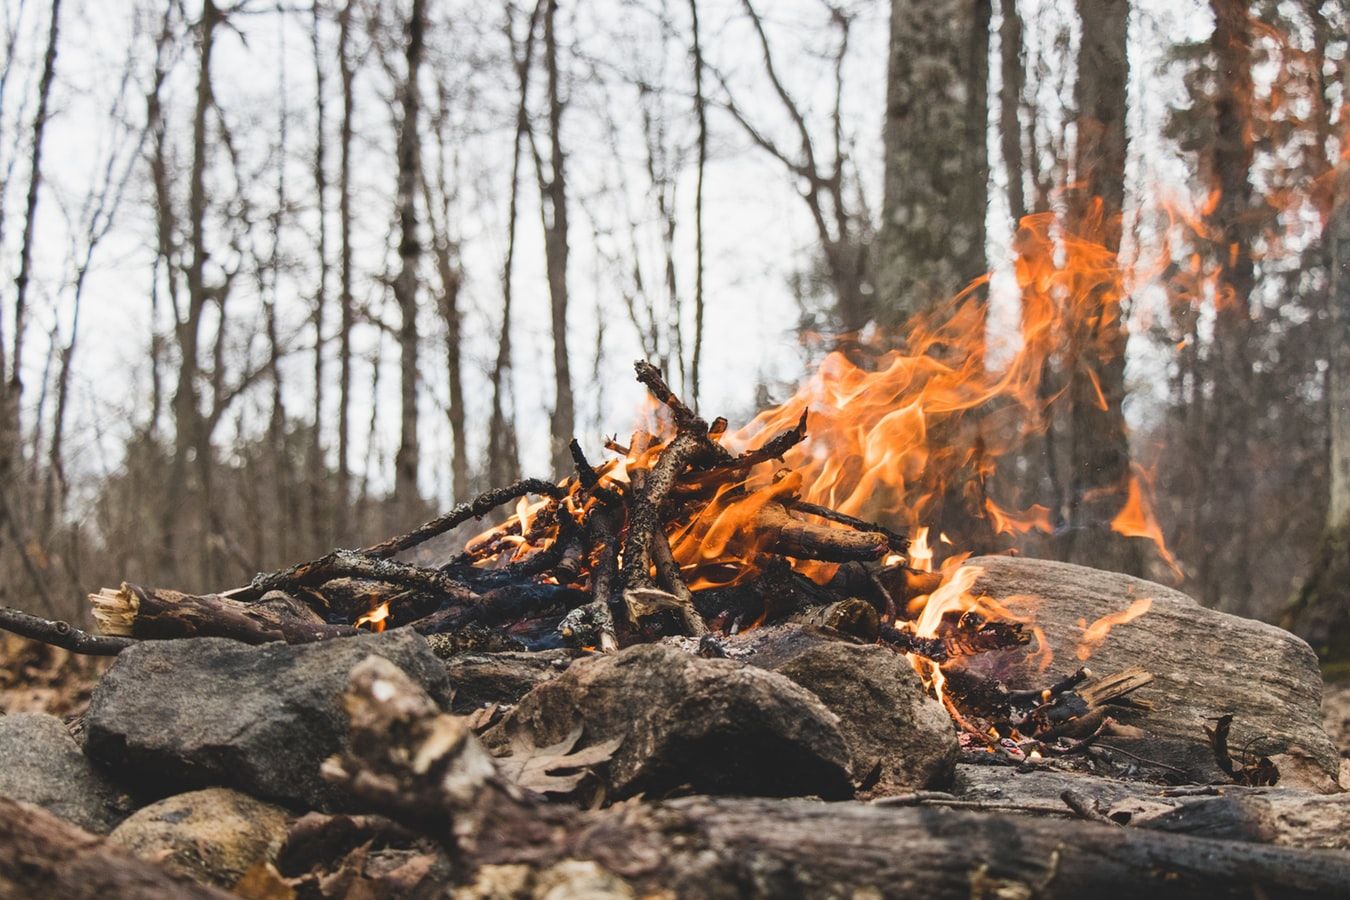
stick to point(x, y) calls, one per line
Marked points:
point(503, 460)
point(830, 187)
point(316, 488)
point(346, 300)
point(406, 462)
point(14, 398)
point(552, 180)
point(701, 118)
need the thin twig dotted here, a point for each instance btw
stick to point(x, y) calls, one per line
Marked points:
point(477, 508)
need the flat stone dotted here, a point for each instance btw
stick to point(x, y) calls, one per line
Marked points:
point(177, 715)
point(899, 737)
point(40, 763)
point(213, 836)
point(688, 725)
point(1206, 664)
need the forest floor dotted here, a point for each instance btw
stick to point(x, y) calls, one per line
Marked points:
point(35, 677)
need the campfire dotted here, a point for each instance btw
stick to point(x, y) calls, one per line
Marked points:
point(727, 617)
point(675, 533)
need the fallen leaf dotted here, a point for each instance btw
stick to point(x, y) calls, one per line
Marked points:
point(555, 769)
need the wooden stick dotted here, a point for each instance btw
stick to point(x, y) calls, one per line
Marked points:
point(805, 540)
point(135, 611)
point(479, 507)
point(61, 634)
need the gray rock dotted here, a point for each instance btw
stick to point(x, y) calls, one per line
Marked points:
point(481, 679)
point(1206, 664)
point(898, 736)
point(702, 725)
point(176, 715)
point(40, 763)
point(212, 836)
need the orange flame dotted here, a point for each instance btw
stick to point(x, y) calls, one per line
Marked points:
point(376, 618)
point(1096, 633)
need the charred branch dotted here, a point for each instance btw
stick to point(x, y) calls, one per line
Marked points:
point(476, 509)
point(135, 611)
point(61, 634)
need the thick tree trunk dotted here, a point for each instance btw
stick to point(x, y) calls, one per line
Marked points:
point(937, 168)
point(1321, 612)
point(1099, 442)
point(406, 461)
point(1230, 230)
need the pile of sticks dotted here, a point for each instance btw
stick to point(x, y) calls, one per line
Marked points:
point(678, 535)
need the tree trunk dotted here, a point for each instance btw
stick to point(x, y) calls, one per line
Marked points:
point(936, 163)
point(406, 462)
point(346, 301)
point(1230, 229)
point(317, 485)
point(553, 192)
point(1321, 612)
point(701, 116)
point(503, 459)
point(1099, 442)
point(11, 423)
point(188, 423)
point(1012, 59)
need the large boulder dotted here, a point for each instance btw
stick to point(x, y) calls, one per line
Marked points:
point(898, 736)
point(1205, 664)
point(213, 836)
point(688, 724)
point(40, 763)
point(177, 715)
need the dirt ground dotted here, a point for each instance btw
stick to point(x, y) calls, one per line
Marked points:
point(37, 678)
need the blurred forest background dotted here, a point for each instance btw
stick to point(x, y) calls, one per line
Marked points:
point(280, 276)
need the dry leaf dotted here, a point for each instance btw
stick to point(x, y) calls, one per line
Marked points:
point(554, 769)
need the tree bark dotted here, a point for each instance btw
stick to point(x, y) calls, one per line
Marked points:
point(317, 484)
point(188, 423)
point(43, 856)
point(1321, 612)
point(701, 116)
point(1230, 231)
point(1099, 441)
point(346, 301)
point(553, 208)
point(932, 237)
point(14, 394)
point(406, 461)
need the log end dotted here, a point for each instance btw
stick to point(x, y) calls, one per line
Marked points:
point(115, 609)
